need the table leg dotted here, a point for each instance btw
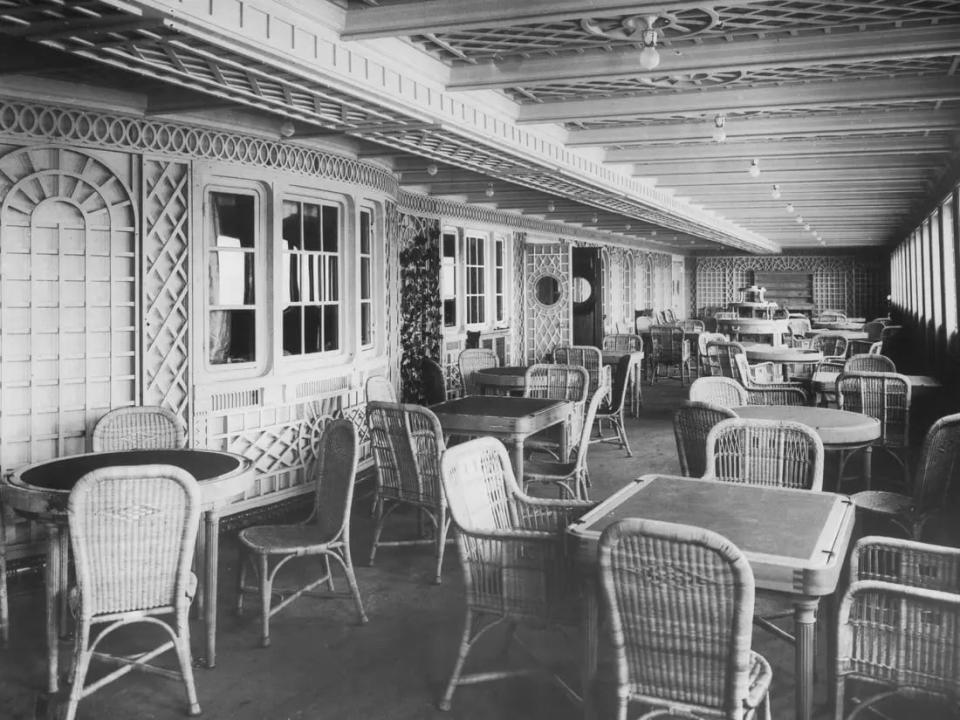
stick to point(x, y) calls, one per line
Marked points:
point(591, 643)
point(867, 470)
point(51, 592)
point(209, 591)
point(517, 459)
point(804, 616)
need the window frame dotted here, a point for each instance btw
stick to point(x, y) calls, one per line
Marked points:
point(456, 270)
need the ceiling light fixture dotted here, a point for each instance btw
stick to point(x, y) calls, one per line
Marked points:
point(754, 168)
point(799, 219)
point(775, 192)
point(649, 57)
point(287, 129)
point(489, 191)
point(790, 208)
point(627, 226)
point(551, 206)
point(594, 218)
point(719, 133)
point(432, 169)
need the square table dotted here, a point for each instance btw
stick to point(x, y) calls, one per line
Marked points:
point(511, 419)
point(795, 540)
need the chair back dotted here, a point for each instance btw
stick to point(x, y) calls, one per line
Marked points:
point(939, 464)
point(335, 475)
point(830, 344)
point(832, 316)
point(133, 531)
point(622, 343)
point(557, 382)
point(480, 486)
point(692, 325)
point(723, 391)
point(586, 356)
point(472, 359)
point(406, 442)
point(691, 423)
point(618, 386)
point(873, 329)
point(679, 603)
point(380, 389)
point(642, 323)
point(669, 317)
point(579, 452)
point(434, 381)
point(865, 362)
point(668, 343)
point(720, 358)
point(773, 453)
point(137, 428)
point(883, 395)
point(798, 326)
point(906, 562)
point(876, 348)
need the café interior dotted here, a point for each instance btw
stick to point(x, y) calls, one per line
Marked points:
point(625, 331)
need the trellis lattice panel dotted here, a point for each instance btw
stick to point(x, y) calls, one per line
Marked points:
point(165, 286)
point(68, 283)
point(546, 326)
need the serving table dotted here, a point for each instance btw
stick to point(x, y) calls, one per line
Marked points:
point(795, 540)
point(41, 491)
point(512, 419)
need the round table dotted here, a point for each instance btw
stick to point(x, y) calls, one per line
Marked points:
point(849, 334)
point(41, 492)
point(500, 380)
point(838, 429)
point(781, 354)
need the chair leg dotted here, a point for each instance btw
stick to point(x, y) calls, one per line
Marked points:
point(241, 579)
point(621, 430)
point(352, 582)
point(326, 563)
point(465, 644)
point(265, 595)
point(182, 645)
point(4, 604)
point(82, 664)
point(443, 524)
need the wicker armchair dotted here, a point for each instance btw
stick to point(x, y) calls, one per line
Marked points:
point(380, 389)
point(703, 368)
point(831, 316)
point(586, 356)
point(873, 329)
point(570, 477)
point(720, 358)
point(679, 601)
point(622, 343)
point(773, 453)
point(885, 396)
point(932, 481)
point(832, 345)
point(723, 391)
point(469, 361)
point(897, 624)
point(612, 411)
point(513, 552)
point(799, 327)
point(557, 382)
point(692, 325)
point(133, 530)
point(865, 362)
point(406, 442)
point(138, 428)
point(325, 533)
point(434, 381)
point(769, 393)
point(670, 348)
point(691, 424)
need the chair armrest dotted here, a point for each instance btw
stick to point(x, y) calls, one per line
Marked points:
point(550, 515)
point(781, 394)
point(764, 373)
point(906, 562)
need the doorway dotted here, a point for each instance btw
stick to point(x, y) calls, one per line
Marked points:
point(587, 296)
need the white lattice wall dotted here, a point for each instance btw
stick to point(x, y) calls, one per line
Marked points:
point(546, 327)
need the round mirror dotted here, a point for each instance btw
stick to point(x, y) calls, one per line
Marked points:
point(548, 290)
point(582, 289)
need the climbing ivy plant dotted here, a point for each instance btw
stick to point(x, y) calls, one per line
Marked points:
point(421, 320)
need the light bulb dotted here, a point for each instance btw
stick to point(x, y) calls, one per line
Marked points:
point(551, 206)
point(649, 57)
point(594, 218)
point(755, 168)
point(431, 169)
point(799, 219)
point(790, 207)
point(719, 134)
point(806, 226)
point(287, 129)
point(627, 226)
point(775, 193)
point(489, 191)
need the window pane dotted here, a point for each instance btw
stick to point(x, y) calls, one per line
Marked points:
point(231, 278)
point(949, 268)
point(331, 229)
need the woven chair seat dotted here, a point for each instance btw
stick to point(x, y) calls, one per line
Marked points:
point(881, 501)
point(285, 538)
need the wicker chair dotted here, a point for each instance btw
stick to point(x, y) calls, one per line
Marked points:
point(722, 391)
point(325, 533)
point(702, 340)
point(897, 624)
point(865, 362)
point(831, 316)
point(406, 442)
point(832, 345)
point(679, 601)
point(691, 424)
point(773, 453)
point(570, 477)
point(133, 530)
point(873, 329)
point(471, 360)
point(557, 382)
point(876, 348)
point(939, 463)
point(769, 393)
point(514, 555)
point(138, 428)
point(885, 396)
point(799, 327)
point(379, 389)
point(622, 343)
point(720, 358)
point(612, 411)
point(586, 356)
point(434, 381)
point(669, 349)
point(692, 325)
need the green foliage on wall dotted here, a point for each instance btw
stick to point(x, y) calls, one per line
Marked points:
point(421, 321)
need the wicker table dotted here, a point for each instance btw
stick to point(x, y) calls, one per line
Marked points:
point(41, 491)
point(796, 542)
point(635, 375)
point(505, 380)
point(512, 419)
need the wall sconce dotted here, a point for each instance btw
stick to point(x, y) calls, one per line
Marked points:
point(754, 168)
point(775, 192)
point(432, 169)
point(719, 133)
point(489, 192)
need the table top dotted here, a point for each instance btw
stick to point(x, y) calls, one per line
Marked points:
point(760, 352)
point(612, 357)
point(511, 376)
point(499, 415)
point(835, 427)
point(795, 540)
point(826, 381)
point(43, 488)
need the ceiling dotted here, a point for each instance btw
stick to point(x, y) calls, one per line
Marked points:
point(852, 109)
